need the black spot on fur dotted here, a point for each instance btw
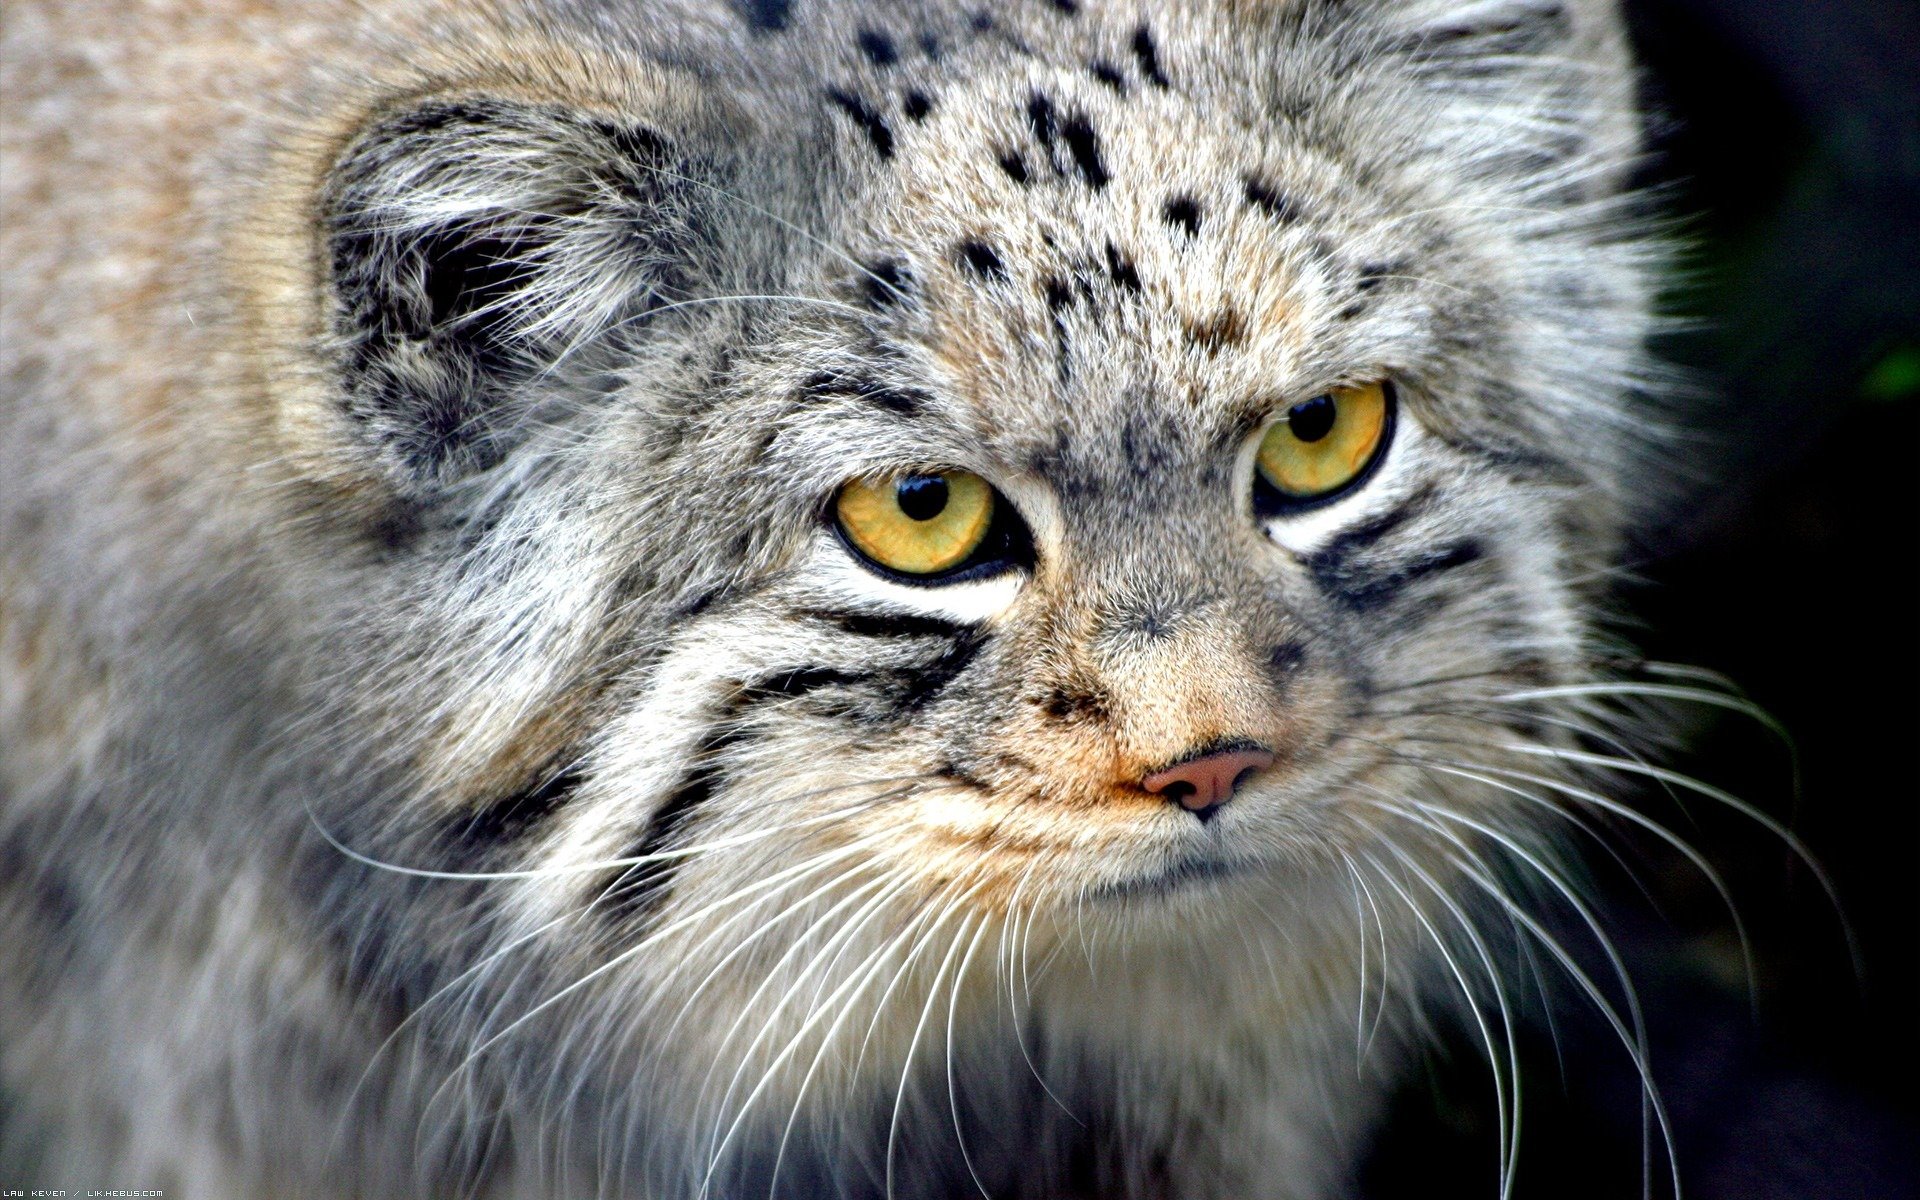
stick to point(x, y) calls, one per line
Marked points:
point(982, 21)
point(1059, 298)
point(1043, 121)
point(1084, 145)
point(1108, 74)
point(1148, 55)
point(917, 105)
point(884, 283)
point(765, 16)
point(1183, 212)
point(930, 46)
point(1284, 662)
point(878, 48)
point(1120, 269)
point(863, 115)
point(1068, 7)
point(1271, 201)
point(981, 259)
point(1077, 704)
point(1015, 167)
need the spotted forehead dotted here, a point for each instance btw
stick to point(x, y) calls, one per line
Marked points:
point(1078, 248)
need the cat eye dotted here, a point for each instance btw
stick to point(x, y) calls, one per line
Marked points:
point(1323, 446)
point(928, 526)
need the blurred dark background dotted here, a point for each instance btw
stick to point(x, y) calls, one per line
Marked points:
point(1787, 145)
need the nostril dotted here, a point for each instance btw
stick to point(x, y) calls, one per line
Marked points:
point(1204, 782)
point(1178, 791)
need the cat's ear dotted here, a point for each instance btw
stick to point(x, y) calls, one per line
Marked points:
point(478, 251)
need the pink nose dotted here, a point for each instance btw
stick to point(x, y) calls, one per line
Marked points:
point(1204, 783)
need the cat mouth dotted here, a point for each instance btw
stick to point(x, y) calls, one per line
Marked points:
point(1183, 874)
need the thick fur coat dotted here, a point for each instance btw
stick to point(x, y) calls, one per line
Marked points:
point(447, 747)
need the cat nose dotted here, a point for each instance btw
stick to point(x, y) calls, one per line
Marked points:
point(1203, 783)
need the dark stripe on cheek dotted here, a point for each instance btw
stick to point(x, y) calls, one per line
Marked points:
point(924, 684)
point(889, 624)
point(510, 818)
point(1360, 590)
point(636, 891)
point(799, 682)
point(1339, 548)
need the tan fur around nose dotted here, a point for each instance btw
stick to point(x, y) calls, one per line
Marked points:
point(1107, 710)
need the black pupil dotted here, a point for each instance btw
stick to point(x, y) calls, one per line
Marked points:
point(922, 497)
point(1311, 420)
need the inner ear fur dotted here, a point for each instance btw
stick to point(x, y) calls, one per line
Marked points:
point(478, 248)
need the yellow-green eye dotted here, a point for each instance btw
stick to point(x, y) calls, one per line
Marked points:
point(917, 524)
point(1325, 443)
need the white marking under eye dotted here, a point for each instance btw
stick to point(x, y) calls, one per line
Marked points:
point(835, 580)
point(1303, 533)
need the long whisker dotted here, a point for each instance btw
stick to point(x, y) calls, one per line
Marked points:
point(1650, 1093)
point(1751, 812)
point(837, 1001)
point(953, 1096)
point(624, 956)
point(1502, 1111)
point(1497, 777)
point(752, 1002)
point(1568, 893)
point(1510, 1137)
point(926, 1011)
point(865, 974)
point(675, 854)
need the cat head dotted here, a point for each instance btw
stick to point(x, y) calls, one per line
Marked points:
point(975, 469)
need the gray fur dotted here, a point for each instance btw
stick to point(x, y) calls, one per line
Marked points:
point(536, 601)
